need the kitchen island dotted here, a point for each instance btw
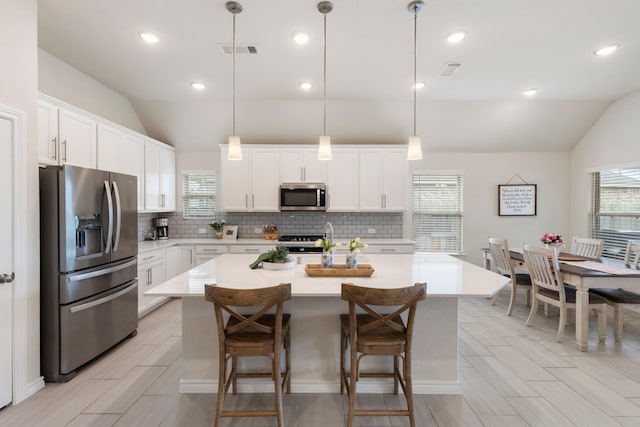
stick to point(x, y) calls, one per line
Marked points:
point(315, 308)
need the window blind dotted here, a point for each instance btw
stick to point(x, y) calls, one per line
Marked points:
point(616, 209)
point(199, 195)
point(437, 212)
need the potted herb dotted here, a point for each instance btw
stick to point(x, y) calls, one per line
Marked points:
point(217, 227)
point(279, 255)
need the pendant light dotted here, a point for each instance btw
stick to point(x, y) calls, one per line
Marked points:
point(324, 145)
point(235, 151)
point(415, 146)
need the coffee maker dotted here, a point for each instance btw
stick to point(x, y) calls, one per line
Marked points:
point(162, 228)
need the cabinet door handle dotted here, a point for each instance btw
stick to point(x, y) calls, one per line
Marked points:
point(385, 201)
point(252, 250)
point(253, 200)
point(246, 201)
point(54, 154)
point(387, 250)
point(301, 173)
point(382, 200)
point(64, 159)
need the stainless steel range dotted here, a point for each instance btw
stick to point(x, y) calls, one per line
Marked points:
point(300, 243)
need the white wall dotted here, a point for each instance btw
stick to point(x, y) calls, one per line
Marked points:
point(18, 90)
point(613, 141)
point(60, 80)
point(483, 172)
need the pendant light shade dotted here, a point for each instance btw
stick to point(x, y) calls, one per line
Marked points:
point(324, 144)
point(414, 151)
point(415, 148)
point(235, 151)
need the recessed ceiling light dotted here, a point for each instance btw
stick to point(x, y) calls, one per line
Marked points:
point(456, 37)
point(148, 36)
point(530, 92)
point(419, 85)
point(305, 85)
point(197, 85)
point(300, 38)
point(606, 50)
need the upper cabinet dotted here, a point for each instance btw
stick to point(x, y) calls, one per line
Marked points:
point(384, 178)
point(65, 137)
point(250, 184)
point(159, 177)
point(122, 151)
point(302, 165)
point(343, 180)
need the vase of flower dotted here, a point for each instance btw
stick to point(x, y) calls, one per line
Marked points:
point(326, 260)
point(354, 249)
point(553, 240)
point(351, 261)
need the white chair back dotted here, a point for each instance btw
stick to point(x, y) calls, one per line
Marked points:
point(632, 248)
point(590, 248)
point(500, 253)
point(543, 267)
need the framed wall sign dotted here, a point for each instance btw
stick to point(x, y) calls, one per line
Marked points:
point(517, 200)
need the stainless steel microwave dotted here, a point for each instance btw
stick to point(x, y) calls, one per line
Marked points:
point(303, 197)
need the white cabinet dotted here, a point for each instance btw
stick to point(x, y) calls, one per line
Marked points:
point(383, 180)
point(250, 184)
point(343, 179)
point(151, 272)
point(160, 177)
point(205, 253)
point(65, 137)
point(396, 248)
point(302, 165)
point(179, 260)
point(123, 152)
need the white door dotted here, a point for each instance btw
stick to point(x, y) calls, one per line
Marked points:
point(6, 263)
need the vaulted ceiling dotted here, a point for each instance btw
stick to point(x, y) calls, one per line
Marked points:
point(511, 45)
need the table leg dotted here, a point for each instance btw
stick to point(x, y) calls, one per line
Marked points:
point(582, 319)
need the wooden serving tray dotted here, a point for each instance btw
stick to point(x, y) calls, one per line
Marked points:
point(338, 270)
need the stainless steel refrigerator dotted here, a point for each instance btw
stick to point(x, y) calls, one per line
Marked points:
point(88, 265)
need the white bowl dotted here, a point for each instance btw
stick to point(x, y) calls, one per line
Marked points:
point(285, 265)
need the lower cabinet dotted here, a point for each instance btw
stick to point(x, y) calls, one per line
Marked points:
point(151, 272)
point(398, 248)
point(179, 260)
point(205, 253)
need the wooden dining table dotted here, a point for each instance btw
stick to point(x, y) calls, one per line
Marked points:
point(584, 274)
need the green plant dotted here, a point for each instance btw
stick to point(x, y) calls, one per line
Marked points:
point(217, 225)
point(279, 254)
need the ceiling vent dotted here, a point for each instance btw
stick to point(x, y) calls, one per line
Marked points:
point(450, 69)
point(227, 48)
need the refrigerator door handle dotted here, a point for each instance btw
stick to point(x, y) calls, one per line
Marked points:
point(111, 297)
point(104, 271)
point(116, 192)
point(110, 228)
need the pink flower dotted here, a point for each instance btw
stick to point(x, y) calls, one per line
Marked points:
point(551, 238)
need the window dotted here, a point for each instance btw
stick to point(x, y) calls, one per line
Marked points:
point(437, 212)
point(199, 194)
point(616, 209)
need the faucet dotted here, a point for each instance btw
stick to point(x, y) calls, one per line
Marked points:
point(328, 231)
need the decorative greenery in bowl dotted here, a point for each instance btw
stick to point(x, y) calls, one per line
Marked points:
point(279, 255)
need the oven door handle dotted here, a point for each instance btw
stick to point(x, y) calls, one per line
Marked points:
point(87, 306)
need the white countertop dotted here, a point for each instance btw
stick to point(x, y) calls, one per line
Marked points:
point(149, 245)
point(445, 276)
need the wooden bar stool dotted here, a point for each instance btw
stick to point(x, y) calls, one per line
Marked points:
point(374, 334)
point(258, 334)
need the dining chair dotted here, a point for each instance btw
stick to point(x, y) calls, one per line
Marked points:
point(590, 248)
point(618, 297)
point(256, 334)
point(373, 333)
point(500, 253)
point(548, 287)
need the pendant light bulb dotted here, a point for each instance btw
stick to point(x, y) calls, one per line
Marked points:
point(324, 143)
point(235, 150)
point(414, 150)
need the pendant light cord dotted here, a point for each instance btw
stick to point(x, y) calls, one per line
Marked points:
point(234, 75)
point(415, 61)
point(324, 82)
